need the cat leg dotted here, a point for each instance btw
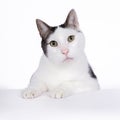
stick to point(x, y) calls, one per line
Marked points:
point(74, 86)
point(33, 92)
point(63, 90)
point(35, 88)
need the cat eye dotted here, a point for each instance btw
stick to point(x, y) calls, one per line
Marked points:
point(71, 38)
point(53, 43)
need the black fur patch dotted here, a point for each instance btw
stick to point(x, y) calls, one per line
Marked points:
point(92, 74)
point(62, 25)
point(44, 40)
point(53, 29)
point(65, 26)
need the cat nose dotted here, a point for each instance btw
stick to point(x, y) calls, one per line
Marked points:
point(65, 51)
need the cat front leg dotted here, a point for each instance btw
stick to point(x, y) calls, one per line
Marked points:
point(59, 93)
point(35, 88)
point(30, 93)
point(63, 90)
point(74, 86)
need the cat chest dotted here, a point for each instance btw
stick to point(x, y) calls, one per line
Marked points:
point(56, 77)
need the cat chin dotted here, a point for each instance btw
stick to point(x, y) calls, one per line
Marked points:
point(62, 62)
point(68, 59)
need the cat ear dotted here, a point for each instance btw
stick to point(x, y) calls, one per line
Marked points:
point(43, 28)
point(72, 20)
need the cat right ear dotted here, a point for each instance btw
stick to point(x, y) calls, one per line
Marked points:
point(43, 28)
point(72, 20)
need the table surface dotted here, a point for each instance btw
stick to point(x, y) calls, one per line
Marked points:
point(88, 105)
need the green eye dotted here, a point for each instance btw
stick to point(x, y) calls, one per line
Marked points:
point(53, 44)
point(71, 38)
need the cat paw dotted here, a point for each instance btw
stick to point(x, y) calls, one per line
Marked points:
point(31, 93)
point(57, 93)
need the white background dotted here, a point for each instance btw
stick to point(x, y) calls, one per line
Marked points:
point(20, 48)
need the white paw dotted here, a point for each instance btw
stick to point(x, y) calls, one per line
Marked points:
point(57, 93)
point(31, 93)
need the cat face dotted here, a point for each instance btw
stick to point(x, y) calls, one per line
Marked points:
point(64, 43)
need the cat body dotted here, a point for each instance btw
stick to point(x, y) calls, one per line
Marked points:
point(63, 69)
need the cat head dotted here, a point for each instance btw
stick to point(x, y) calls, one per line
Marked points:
point(63, 43)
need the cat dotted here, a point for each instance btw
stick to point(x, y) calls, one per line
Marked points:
point(63, 69)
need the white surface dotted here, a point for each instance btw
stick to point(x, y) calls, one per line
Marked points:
point(90, 105)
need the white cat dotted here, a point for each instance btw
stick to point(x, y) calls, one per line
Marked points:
point(63, 69)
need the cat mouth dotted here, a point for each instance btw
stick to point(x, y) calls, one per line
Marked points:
point(68, 59)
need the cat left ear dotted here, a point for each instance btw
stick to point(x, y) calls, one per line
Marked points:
point(72, 20)
point(43, 28)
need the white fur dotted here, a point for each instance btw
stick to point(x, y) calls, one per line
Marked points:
point(62, 78)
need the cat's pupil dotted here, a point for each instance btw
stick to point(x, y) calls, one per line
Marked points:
point(53, 44)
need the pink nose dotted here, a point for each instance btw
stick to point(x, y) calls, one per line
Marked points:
point(65, 51)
